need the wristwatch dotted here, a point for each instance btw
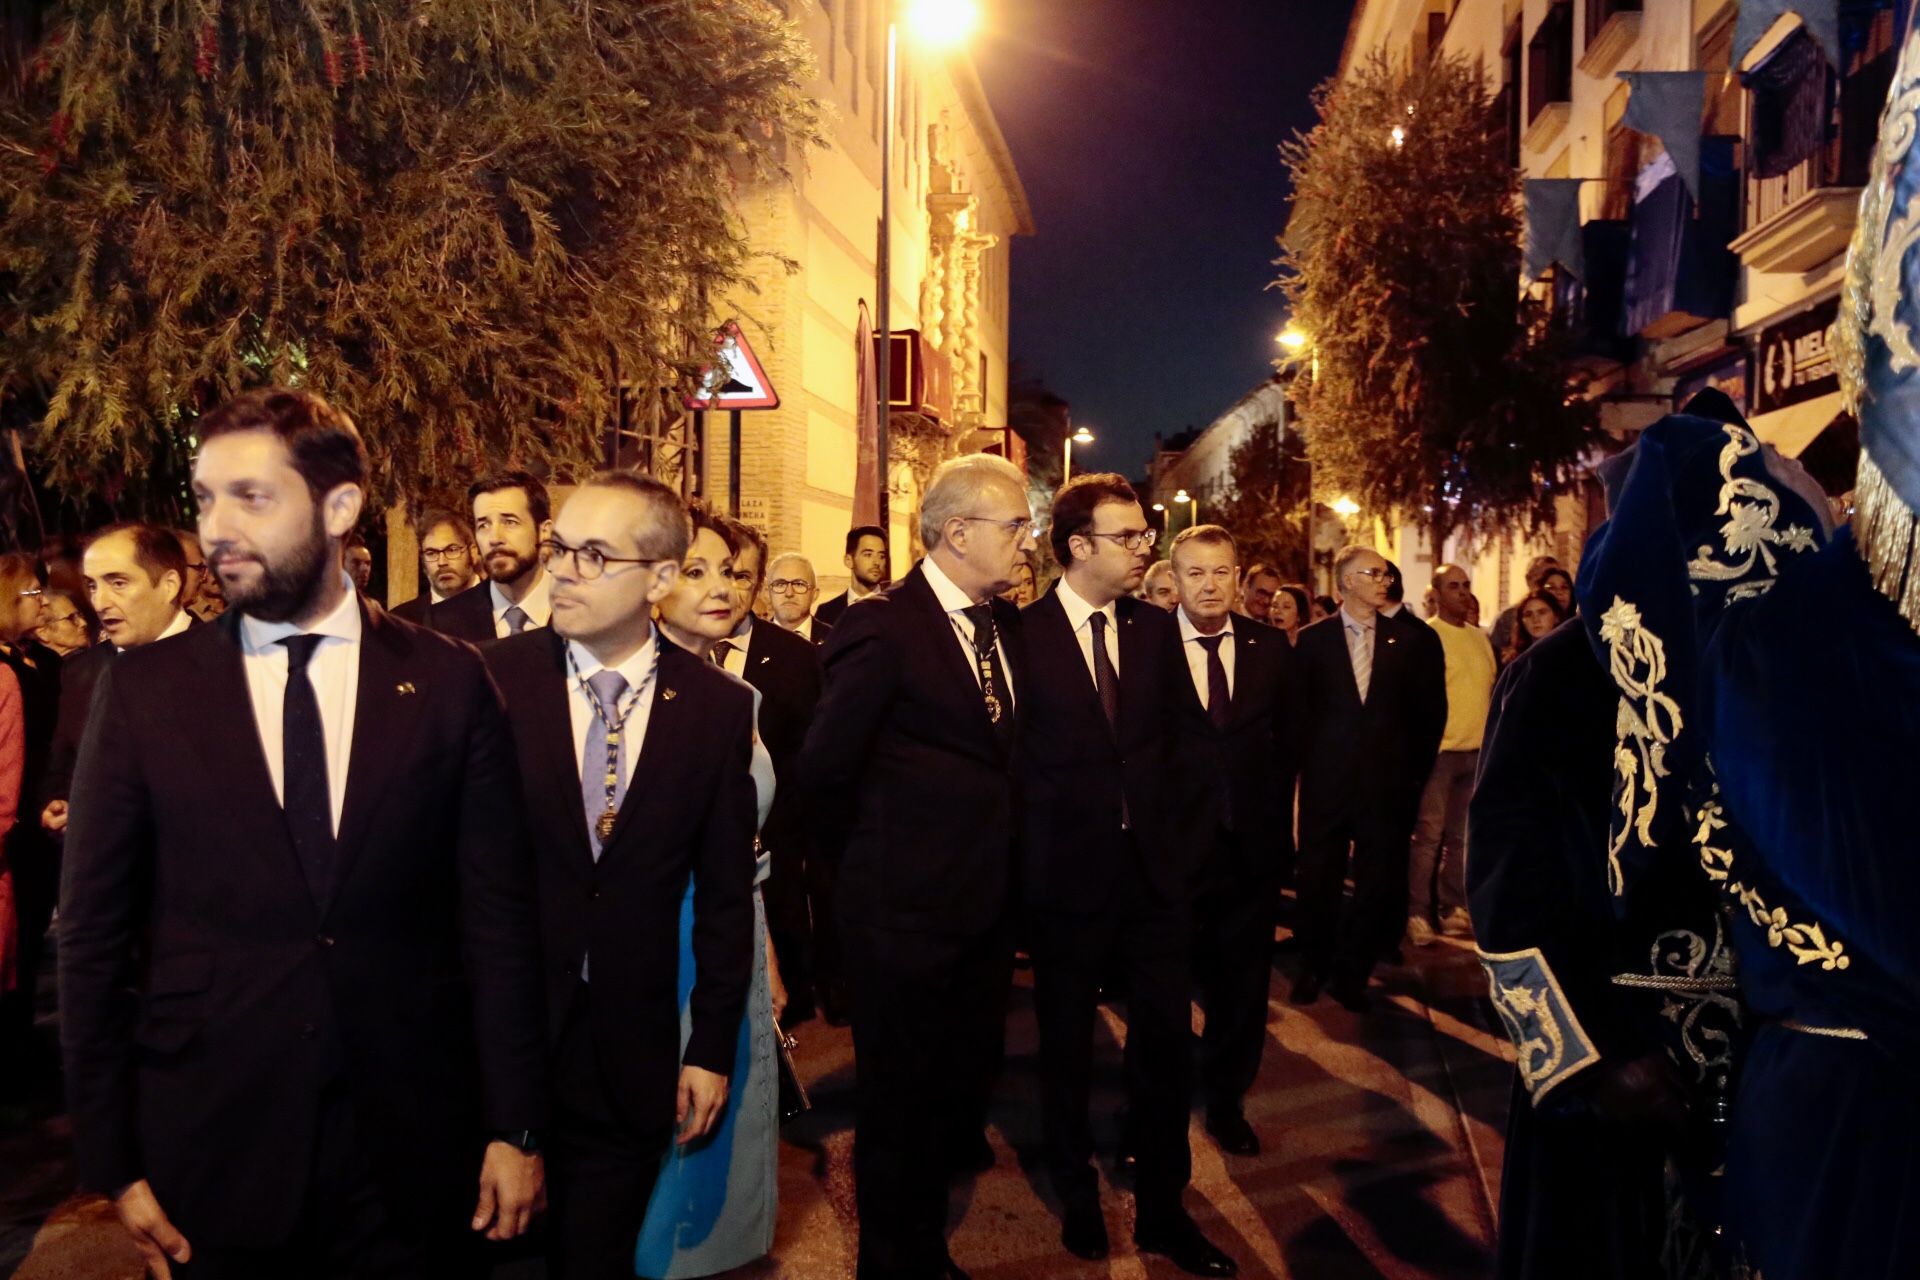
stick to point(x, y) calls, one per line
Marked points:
point(525, 1141)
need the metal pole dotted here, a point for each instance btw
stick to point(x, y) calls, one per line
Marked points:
point(733, 462)
point(1066, 466)
point(884, 266)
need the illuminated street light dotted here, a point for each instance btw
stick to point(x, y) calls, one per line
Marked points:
point(1193, 506)
point(1293, 338)
point(1081, 436)
point(1159, 506)
point(941, 23)
point(1345, 507)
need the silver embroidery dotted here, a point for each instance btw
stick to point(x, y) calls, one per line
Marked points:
point(1648, 721)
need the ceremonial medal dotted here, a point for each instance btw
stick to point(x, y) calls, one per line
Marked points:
point(607, 820)
point(993, 707)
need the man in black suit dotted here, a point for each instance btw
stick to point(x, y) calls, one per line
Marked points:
point(135, 575)
point(299, 969)
point(1375, 701)
point(910, 769)
point(785, 668)
point(866, 561)
point(512, 516)
point(1106, 864)
point(450, 560)
point(636, 759)
point(1240, 700)
point(790, 596)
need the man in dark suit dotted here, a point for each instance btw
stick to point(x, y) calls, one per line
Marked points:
point(1241, 704)
point(512, 515)
point(785, 668)
point(1106, 864)
point(910, 769)
point(450, 560)
point(866, 561)
point(1375, 701)
point(135, 575)
point(790, 596)
point(299, 968)
point(636, 759)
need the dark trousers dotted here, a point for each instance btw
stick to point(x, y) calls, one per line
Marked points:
point(1344, 945)
point(1232, 963)
point(928, 1011)
point(1143, 940)
point(601, 1165)
point(33, 858)
point(790, 928)
point(829, 972)
point(346, 1228)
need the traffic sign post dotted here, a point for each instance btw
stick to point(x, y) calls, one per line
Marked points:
point(736, 381)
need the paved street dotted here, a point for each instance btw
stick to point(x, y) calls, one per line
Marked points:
point(1382, 1152)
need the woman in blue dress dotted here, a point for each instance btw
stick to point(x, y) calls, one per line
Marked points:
point(713, 1207)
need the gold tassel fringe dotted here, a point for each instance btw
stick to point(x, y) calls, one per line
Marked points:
point(1886, 531)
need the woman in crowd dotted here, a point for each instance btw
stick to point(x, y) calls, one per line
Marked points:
point(713, 1208)
point(67, 622)
point(1291, 610)
point(1558, 585)
point(1023, 592)
point(13, 757)
point(1323, 607)
point(1533, 618)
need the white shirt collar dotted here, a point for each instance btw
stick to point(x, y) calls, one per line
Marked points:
point(1190, 633)
point(1392, 609)
point(951, 597)
point(634, 669)
point(1349, 621)
point(854, 592)
point(538, 604)
point(343, 623)
point(743, 632)
point(1079, 609)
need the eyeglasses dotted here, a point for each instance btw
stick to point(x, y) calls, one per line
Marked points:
point(435, 555)
point(588, 562)
point(1377, 575)
point(789, 586)
point(32, 591)
point(1131, 539)
point(65, 617)
point(1016, 528)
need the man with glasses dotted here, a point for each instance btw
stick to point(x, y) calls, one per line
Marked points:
point(791, 593)
point(1375, 702)
point(201, 596)
point(866, 560)
point(910, 769)
point(592, 700)
point(1107, 864)
point(451, 563)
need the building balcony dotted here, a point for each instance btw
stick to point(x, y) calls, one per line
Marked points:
point(1548, 123)
point(1612, 28)
point(1794, 224)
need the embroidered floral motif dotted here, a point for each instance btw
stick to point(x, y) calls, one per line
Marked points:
point(1749, 537)
point(1806, 942)
point(1548, 1041)
point(1894, 236)
point(1648, 720)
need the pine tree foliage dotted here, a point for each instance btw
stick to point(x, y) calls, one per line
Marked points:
point(1265, 501)
point(1435, 386)
point(455, 218)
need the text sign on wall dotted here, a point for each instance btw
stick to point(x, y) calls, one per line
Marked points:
point(1793, 360)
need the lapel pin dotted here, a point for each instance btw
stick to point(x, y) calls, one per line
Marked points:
point(764, 658)
point(1390, 639)
point(667, 695)
point(405, 687)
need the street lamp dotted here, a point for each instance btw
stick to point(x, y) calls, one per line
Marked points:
point(1081, 436)
point(1293, 338)
point(1346, 508)
point(1193, 506)
point(935, 24)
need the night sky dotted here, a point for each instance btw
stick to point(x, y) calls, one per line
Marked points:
point(1147, 135)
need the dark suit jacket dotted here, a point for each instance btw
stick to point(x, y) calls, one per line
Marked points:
point(418, 611)
point(200, 1064)
point(831, 611)
point(467, 616)
point(1368, 762)
point(1244, 773)
point(786, 670)
point(1077, 769)
point(912, 795)
point(820, 631)
point(79, 674)
point(689, 811)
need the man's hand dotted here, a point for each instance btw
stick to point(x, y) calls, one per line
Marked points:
point(154, 1236)
point(54, 817)
point(512, 1183)
point(703, 1096)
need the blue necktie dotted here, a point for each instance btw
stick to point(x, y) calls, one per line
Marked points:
point(517, 620)
point(606, 688)
point(305, 795)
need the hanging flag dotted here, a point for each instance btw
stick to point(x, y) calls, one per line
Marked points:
point(867, 476)
point(1820, 17)
point(1669, 105)
point(1553, 226)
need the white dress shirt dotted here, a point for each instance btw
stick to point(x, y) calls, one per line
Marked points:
point(1078, 614)
point(181, 621)
point(637, 670)
point(1190, 637)
point(335, 673)
point(805, 629)
point(953, 600)
point(735, 662)
point(538, 604)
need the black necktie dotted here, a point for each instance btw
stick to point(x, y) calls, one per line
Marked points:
point(1219, 697)
point(721, 652)
point(1106, 681)
point(993, 687)
point(305, 796)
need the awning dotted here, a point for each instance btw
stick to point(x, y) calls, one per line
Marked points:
point(1792, 429)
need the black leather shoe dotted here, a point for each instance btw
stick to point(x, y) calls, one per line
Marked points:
point(1181, 1243)
point(1232, 1133)
point(971, 1158)
point(1351, 996)
point(1306, 989)
point(1084, 1231)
